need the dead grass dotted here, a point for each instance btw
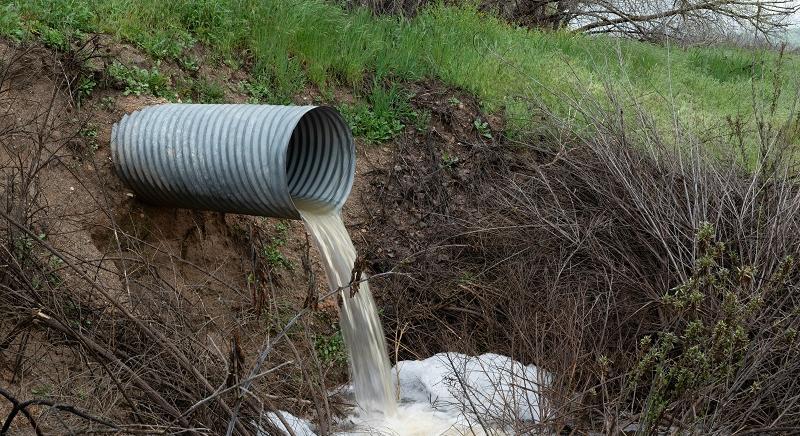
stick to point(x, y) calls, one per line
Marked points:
point(656, 279)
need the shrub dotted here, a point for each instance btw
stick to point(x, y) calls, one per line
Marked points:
point(654, 277)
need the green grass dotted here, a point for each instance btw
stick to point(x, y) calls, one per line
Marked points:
point(288, 43)
point(384, 113)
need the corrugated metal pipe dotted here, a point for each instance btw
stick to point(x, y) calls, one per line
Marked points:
point(239, 158)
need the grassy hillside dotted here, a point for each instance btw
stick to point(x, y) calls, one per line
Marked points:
point(288, 44)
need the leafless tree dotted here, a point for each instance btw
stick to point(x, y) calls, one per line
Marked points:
point(686, 20)
point(682, 19)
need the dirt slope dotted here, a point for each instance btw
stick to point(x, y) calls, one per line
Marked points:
point(226, 280)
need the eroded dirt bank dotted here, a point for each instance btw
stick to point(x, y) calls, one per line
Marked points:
point(133, 312)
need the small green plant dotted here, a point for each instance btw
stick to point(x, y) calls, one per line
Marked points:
point(108, 103)
point(368, 124)
point(41, 390)
point(56, 262)
point(89, 133)
point(189, 63)
point(24, 246)
point(86, 85)
point(331, 349)
point(51, 37)
point(257, 92)
point(422, 120)
point(165, 44)
point(274, 257)
point(384, 114)
point(448, 160)
point(483, 128)
point(453, 101)
point(282, 227)
point(140, 81)
point(200, 91)
point(272, 88)
point(272, 250)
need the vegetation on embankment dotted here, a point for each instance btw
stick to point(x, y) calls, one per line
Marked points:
point(659, 286)
point(289, 44)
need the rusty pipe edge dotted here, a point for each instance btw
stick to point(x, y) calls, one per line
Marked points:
point(249, 159)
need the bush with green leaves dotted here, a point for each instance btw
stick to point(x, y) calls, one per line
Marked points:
point(716, 313)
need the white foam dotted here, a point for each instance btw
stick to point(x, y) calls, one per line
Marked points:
point(454, 394)
point(489, 386)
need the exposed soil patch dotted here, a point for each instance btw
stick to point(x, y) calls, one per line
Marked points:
point(230, 280)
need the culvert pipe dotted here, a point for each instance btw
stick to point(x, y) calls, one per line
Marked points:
point(249, 159)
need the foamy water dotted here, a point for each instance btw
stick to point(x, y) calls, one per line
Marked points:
point(495, 388)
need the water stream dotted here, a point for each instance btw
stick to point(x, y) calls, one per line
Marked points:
point(430, 404)
point(361, 328)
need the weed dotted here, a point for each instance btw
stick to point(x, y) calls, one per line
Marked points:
point(448, 160)
point(86, 86)
point(56, 23)
point(52, 38)
point(89, 133)
point(139, 81)
point(274, 257)
point(108, 103)
point(11, 25)
point(165, 44)
point(331, 349)
point(189, 63)
point(272, 250)
point(422, 120)
point(276, 86)
point(281, 227)
point(42, 390)
point(483, 128)
point(200, 91)
point(383, 116)
point(368, 124)
point(257, 92)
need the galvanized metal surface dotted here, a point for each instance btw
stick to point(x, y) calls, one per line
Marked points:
point(249, 159)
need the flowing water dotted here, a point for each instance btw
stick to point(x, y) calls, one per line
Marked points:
point(361, 328)
point(373, 384)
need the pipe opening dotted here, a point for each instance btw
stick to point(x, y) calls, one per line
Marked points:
point(320, 161)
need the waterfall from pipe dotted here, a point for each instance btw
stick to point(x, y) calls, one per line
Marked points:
point(372, 378)
point(361, 328)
